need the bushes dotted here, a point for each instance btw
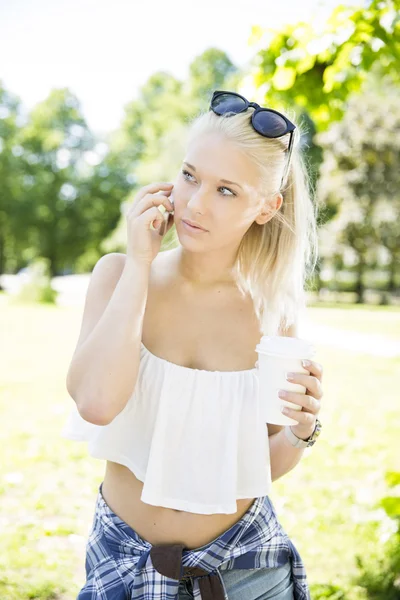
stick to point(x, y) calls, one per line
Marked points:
point(37, 285)
point(380, 571)
point(379, 565)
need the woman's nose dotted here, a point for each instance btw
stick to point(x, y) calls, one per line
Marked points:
point(199, 200)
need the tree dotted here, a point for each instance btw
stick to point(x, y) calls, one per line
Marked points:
point(319, 70)
point(209, 71)
point(389, 236)
point(72, 193)
point(10, 174)
point(361, 175)
point(361, 237)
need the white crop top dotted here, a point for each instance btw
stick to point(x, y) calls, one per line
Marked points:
point(193, 437)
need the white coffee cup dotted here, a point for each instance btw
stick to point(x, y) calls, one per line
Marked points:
point(278, 355)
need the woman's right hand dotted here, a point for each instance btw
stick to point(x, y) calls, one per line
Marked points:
point(144, 243)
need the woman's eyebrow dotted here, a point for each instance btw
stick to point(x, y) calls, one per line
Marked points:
point(223, 180)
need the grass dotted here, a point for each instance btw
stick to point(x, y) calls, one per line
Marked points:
point(364, 318)
point(48, 484)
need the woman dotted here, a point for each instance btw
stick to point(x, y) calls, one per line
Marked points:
point(163, 373)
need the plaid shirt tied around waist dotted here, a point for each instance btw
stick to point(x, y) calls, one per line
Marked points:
point(121, 565)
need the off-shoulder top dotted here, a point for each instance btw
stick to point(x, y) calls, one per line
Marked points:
point(195, 438)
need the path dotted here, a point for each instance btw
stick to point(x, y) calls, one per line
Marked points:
point(72, 290)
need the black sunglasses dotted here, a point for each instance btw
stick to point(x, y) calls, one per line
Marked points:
point(266, 121)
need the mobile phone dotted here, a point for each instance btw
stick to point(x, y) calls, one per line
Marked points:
point(167, 218)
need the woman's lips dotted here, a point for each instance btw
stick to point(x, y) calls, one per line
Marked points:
point(193, 229)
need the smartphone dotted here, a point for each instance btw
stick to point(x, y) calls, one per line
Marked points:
point(167, 218)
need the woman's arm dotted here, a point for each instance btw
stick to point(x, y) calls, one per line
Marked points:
point(105, 365)
point(283, 456)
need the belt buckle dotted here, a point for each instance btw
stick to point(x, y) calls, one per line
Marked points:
point(187, 573)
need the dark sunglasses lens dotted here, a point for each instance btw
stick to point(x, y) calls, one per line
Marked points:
point(227, 103)
point(269, 123)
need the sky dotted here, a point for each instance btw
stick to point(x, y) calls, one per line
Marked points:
point(105, 50)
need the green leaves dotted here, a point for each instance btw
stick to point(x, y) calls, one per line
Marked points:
point(299, 62)
point(391, 505)
point(284, 78)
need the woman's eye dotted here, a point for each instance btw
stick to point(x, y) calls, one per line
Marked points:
point(185, 173)
point(229, 190)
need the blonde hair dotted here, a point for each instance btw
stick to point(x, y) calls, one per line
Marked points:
point(275, 259)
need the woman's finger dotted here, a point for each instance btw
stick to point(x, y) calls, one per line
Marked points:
point(153, 188)
point(303, 418)
point(309, 403)
point(310, 382)
point(315, 368)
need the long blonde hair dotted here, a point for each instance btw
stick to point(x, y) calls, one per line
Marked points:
point(275, 259)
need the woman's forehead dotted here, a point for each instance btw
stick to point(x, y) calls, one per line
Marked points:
point(216, 158)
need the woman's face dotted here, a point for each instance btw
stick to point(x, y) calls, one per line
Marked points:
point(226, 210)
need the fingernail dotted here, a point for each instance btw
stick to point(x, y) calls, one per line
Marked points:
point(282, 394)
point(289, 376)
point(305, 363)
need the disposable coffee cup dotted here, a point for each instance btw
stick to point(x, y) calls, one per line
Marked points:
point(278, 355)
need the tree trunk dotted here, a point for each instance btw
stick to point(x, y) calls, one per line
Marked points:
point(359, 283)
point(2, 257)
point(392, 275)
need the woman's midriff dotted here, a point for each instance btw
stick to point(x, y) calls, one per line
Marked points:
point(158, 525)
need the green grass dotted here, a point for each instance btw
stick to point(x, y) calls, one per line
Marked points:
point(374, 320)
point(48, 484)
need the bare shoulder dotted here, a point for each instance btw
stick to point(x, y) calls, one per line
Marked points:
point(291, 331)
point(104, 277)
point(109, 266)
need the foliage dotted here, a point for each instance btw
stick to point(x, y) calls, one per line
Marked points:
point(38, 287)
point(68, 188)
point(380, 572)
point(165, 105)
point(10, 174)
point(209, 71)
point(389, 235)
point(63, 193)
point(360, 177)
point(333, 61)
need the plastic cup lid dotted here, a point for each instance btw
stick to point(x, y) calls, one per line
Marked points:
point(289, 347)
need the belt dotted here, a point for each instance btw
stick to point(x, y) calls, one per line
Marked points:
point(167, 560)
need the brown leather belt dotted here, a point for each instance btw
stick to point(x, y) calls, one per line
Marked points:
point(167, 560)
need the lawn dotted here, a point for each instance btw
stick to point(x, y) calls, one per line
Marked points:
point(366, 319)
point(48, 484)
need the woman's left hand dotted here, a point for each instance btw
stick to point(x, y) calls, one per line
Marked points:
point(310, 401)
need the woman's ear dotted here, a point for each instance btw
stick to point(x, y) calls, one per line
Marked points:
point(278, 201)
point(269, 209)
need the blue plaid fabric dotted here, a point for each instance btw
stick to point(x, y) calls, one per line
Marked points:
point(119, 564)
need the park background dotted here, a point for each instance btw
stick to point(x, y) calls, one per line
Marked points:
point(68, 169)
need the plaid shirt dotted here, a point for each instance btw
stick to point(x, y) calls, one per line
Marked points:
point(120, 565)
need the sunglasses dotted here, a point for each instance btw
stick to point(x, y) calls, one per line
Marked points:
point(266, 121)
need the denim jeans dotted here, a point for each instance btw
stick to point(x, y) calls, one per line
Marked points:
point(251, 584)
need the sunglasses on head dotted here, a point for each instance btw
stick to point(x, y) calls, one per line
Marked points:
point(266, 121)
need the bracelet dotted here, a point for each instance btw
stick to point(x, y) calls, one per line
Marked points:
point(298, 442)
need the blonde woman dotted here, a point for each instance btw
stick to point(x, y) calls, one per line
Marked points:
point(164, 374)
